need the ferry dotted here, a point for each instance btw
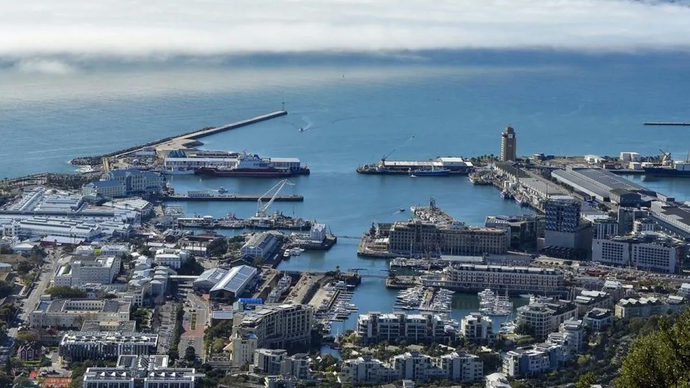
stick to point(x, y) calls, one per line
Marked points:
point(247, 166)
point(189, 162)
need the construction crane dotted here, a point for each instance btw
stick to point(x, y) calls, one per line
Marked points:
point(384, 157)
point(260, 207)
point(666, 158)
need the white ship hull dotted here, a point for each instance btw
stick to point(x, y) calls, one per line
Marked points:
point(177, 172)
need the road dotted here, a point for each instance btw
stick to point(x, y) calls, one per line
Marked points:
point(197, 312)
point(47, 273)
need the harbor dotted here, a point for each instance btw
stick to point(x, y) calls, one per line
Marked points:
point(206, 196)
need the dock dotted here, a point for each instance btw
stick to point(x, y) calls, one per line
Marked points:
point(230, 198)
point(667, 123)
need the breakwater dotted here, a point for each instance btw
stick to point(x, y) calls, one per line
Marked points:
point(231, 198)
point(181, 140)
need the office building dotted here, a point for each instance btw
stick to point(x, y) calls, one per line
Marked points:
point(277, 326)
point(627, 217)
point(563, 224)
point(646, 251)
point(603, 227)
point(531, 360)
point(375, 327)
point(83, 271)
point(71, 313)
point(508, 145)
point(81, 345)
point(137, 181)
point(545, 317)
point(365, 370)
point(475, 277)
point(417, 367)
point(588, 300)
point(478, 328)
point(140, 372)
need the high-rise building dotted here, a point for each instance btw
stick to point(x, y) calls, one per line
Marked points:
point(508, 145)
point(564, 228)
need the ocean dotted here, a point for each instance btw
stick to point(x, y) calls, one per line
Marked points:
point(356, 109)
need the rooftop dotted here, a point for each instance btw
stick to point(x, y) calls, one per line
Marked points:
point(236, 279)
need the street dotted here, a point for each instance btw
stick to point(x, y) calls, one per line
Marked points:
point(46, 274)
point(196, 318)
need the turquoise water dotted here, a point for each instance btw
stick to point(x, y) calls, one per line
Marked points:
point(355, 110)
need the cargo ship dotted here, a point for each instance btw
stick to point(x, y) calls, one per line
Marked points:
point(227, 163)
point(441, 166)
point(668, 167)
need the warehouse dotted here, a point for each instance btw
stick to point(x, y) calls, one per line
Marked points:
point(234, 283)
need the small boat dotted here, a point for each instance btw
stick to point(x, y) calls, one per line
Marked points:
point(301, 129)
point(286, 254)
point(506, 195)
point(402, 209)
point(296, 251)
point(222, 190)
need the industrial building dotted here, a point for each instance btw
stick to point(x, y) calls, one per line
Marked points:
point(84, 345)
point(261, 245)
point(234, 283)
point(209, 278)
point(602, 185)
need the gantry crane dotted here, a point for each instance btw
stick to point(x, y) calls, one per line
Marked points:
point(260, 207)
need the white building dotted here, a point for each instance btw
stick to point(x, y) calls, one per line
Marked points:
point(80, 345)
point(478, 328)
point(277, 362)
point(137, 181)
point(75, 231)
point(365, 370)
point(277, 326)
point(102, 270)
point(645, 307)
point(106, 189)
point(71, 313)
point(375, 326)
point(173, 258)
point(462, 366)
point(648, 251)
point(140, 372)
point(260, 245)
point(544, 318)
point(528, 361)
point(233, 283)
point(113, 250)
point(416, 366)
point(479, 277)
point(242, 348)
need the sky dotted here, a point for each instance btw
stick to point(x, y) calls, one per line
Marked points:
point(34, 33)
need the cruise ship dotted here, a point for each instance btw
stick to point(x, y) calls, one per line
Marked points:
point(232, 164)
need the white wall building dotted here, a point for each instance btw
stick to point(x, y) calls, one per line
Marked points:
point(544, 318)
point(477, 328)
point(140, 372)
point(71, 313)
point(173, 258)
point(375, 326)
point(648, 251)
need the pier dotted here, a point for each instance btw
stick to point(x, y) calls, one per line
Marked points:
point(192, 138)
point(667, 123)
point(230, 198)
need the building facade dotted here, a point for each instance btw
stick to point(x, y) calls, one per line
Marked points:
point(478, 328)
point(647, 251)
point(501, 278)
point(277, 326)
point(80, 345)
point(415, 328)
point(545, 317)
point(140, 372)
point(508, 145)
point(416, 237)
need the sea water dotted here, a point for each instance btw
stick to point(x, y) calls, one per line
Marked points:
point(355, 111)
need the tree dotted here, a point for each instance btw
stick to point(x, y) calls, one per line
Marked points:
point(66, 292)
point(217, 247)
point(586, 380)
point(660, 359)
point(258, 261)
point(5, 289)
point(190, 354)
point(524, 329)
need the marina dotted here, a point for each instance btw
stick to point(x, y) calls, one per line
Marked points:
point(425, 299)
point(493, 304)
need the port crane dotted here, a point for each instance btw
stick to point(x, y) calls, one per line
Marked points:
point(666, 158)
point(384, 157)
point(260, 207)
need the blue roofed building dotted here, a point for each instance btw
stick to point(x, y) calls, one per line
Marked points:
point(234, 283)
point(209, 278)
point(261, 245)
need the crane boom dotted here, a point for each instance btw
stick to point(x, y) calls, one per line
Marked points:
point(260, 207)
point(383, 159)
